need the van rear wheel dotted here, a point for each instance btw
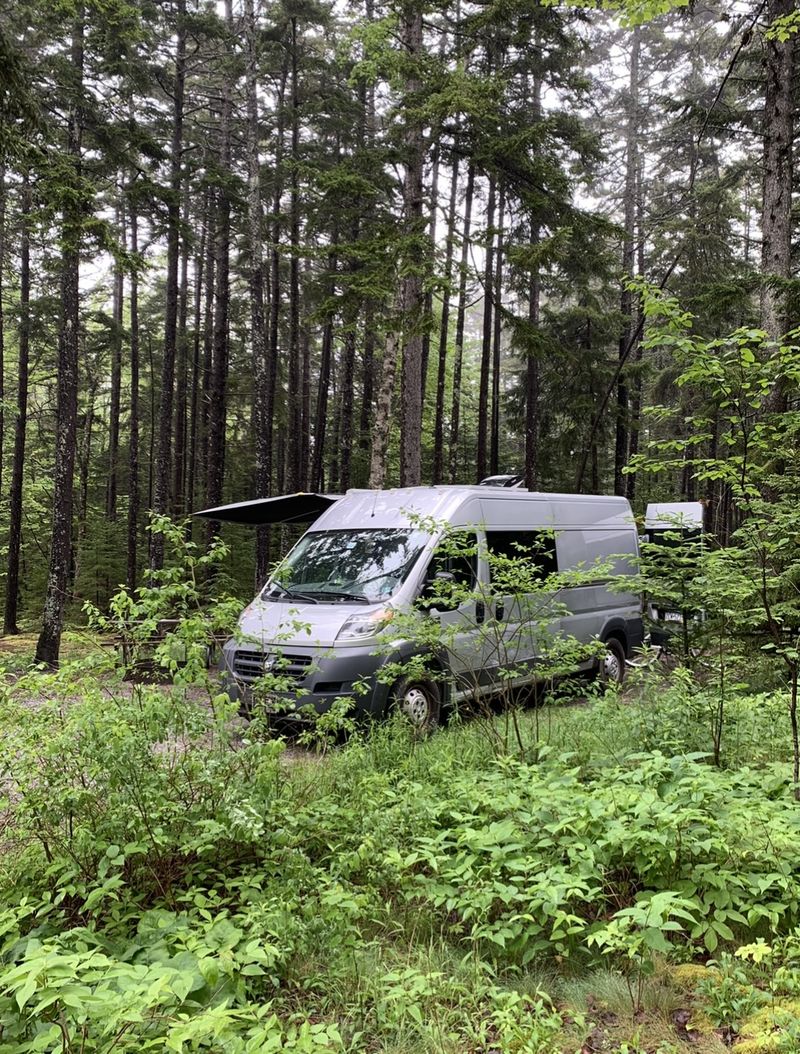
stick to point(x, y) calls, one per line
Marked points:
point(419, 701)
point(612, 665)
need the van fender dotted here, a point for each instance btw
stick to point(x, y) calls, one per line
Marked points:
point(403, 654)
point(618, 627)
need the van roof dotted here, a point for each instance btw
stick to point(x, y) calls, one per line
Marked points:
point(398, 506)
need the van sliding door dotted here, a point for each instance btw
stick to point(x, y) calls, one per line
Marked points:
point(526, 614)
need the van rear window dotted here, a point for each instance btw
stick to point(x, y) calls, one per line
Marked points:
point(534, 547)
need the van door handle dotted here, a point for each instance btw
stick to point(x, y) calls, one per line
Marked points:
point(480, 611)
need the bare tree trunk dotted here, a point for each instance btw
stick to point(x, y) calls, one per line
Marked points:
point(412, 280)
point(20, 426)
point(275, 279)
point(494, 457)
point(258, 336)
point(3, 195)
point(461, 314)
point(116, 372)
point(133, 448)
point(383, 409)
point(628, 262)
point(217, 415)
point(49, 643)
point(444, 330)
point(294, 431)
point(532, 394)
point(636, 401)
point(161, 478)
point(194, 401)
point(776, 216)
point(486, 347)
point(323, 387)
point(367, 381)
point(181, 373)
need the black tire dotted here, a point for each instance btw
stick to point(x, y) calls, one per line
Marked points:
point(611, 669)
point(419, 701)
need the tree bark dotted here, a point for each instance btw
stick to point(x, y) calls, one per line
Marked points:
point(486, 345)
point(494, 457)
point(161, 475)
point(20, 425)
point(181, 372)
point(412, 280)
point(776, 216)
point(49, 643)
point(628, 263)
point(444, 330)
point(217, 415)
point(258, 336)
point(461, 314)
point(133, 439)
point(116, 373)
point(294, 394)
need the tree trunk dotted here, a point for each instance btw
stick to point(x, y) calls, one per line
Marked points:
point(321, 417)
point(628, 262)
point(776, 214)
point(486, 346)
point(181, 373)
point(20, 426)
point(3, 195)
point(494, 458)
point(412, 281)
point(275, 276)
point(49, 643)
point(383, 409)
point(636, 401)
point(133, 448)
point(444, 330)
point(217, 415)
point(532, 393)
point(197, 368)
point(367, 381)
point(161, 477)
point(461, 314)
point(294, 394)
point(116, 373)
point(258, 334)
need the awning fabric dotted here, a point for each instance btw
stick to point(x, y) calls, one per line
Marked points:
point(285, 508)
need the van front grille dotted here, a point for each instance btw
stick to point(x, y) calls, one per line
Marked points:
point(250, 665)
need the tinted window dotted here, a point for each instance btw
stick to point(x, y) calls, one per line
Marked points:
point(534, 547)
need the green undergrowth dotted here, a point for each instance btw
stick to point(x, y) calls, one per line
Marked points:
point(171, 880)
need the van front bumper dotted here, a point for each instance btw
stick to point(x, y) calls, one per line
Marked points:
point(289, 679)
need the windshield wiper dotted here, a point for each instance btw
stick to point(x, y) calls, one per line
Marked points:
point(341, 596)
point(292, 595)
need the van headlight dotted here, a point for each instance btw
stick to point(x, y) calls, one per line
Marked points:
point(359, 627)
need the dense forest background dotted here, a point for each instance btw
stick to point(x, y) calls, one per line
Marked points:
point(249, 248)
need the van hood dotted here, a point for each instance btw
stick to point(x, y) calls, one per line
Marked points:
point(294, 624)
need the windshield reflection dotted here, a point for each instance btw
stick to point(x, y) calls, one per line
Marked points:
point(365, 566)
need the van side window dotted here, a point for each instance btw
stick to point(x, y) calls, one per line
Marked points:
point(457, 555)
point(535, 547)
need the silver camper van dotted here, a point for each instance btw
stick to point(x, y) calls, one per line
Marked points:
point(372, 553)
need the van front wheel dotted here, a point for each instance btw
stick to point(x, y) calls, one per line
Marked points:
point(612, 665)
point(419, 701)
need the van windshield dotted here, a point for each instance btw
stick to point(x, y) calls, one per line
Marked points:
point(366, 566)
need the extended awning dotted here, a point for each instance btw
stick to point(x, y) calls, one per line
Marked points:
point(285, 508)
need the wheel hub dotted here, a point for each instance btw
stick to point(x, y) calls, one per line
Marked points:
point(416, 706)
